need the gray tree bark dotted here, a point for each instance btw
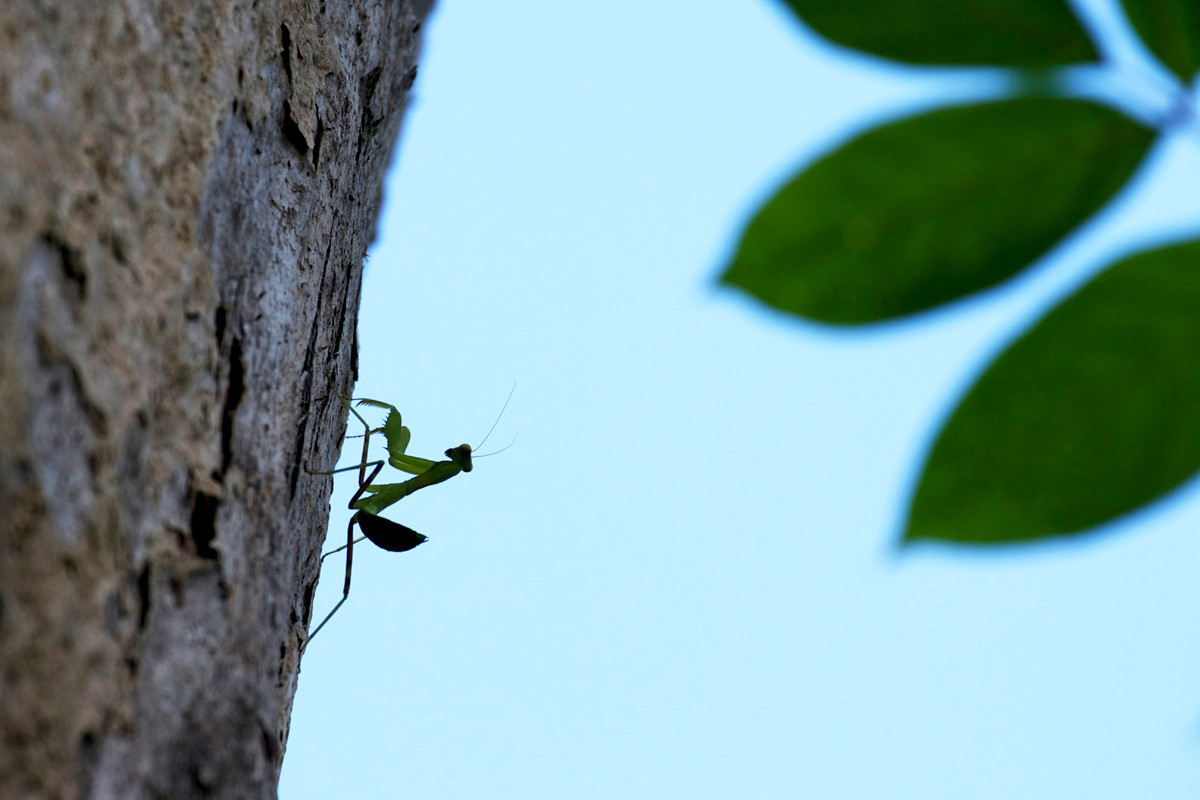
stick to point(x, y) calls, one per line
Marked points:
point(187, 191)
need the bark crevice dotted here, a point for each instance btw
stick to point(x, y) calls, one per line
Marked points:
point(172, 176)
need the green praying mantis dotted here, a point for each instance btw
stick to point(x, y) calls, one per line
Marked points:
point(389, 535)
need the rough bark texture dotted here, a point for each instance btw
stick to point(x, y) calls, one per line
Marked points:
point(187, 191)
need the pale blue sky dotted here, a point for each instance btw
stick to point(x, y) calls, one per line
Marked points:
point(682, 582)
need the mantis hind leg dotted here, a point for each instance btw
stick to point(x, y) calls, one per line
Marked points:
point(349, 548)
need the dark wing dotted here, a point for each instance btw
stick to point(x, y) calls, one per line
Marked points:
point(391, 536)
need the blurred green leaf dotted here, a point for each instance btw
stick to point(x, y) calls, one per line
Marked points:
point(1171, 29)
point(1011, 33)
point(1089, 415)
point(934, 207)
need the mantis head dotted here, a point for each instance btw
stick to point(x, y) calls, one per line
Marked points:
point(461, 456)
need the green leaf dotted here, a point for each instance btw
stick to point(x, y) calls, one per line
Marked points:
point(934, 207)
point(1010, 33)
point(1171, 29)
point(1089, 415)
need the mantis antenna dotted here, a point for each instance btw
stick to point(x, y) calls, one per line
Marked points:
point(475, 455)
point(503, 408)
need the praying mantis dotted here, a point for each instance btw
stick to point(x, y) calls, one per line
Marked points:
point(389, 535)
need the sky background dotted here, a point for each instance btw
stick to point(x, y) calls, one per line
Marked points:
point(682, 581)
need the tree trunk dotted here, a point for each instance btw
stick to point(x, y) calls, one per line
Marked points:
point(187, 191)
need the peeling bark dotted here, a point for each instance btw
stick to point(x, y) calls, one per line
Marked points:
point(186, 195)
